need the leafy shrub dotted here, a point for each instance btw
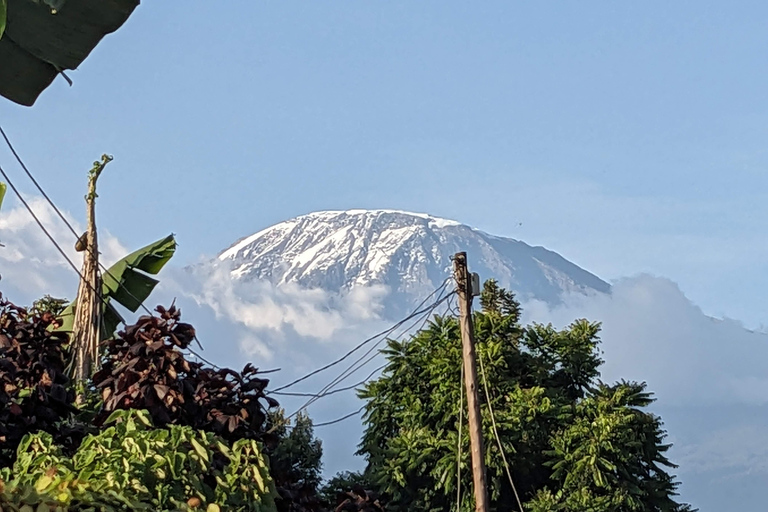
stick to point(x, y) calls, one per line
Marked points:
point(132, 466)
point(34, 389)
point(145, 369)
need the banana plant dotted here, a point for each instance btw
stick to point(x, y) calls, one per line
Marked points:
point(127, 282)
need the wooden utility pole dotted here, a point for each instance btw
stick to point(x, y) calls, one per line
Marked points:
point(463, 286)
point(86, 328)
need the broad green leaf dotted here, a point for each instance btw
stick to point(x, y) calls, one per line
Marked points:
point(134, 286)
point(122, 280)
point(124, 283)
point(199, 449)
point(3, 19)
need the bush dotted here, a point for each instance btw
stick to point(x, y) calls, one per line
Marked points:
point(35, 393)
point(144, 368)
point(132, 466)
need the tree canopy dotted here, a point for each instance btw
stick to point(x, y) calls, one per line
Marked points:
point(573, 443)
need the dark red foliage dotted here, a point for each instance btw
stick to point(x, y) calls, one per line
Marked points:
point(144, 368)
point(34, 389)
point(359, 500)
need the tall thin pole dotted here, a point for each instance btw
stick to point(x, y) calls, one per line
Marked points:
point(463, 284)
point(86, 328)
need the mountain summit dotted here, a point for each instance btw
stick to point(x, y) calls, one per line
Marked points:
point(408, 252)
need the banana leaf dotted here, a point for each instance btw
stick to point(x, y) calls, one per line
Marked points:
point(127, 283)
point(3, 19)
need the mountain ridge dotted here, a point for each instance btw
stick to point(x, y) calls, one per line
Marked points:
point(336, 250)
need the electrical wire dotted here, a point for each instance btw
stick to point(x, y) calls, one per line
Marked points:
point(364, 342)
point(351, 369)
point(26, 170)
point(64, 219)
point(332, 422)
point(337, 420)
point(328, 388)
point(74, 233)
point(338, 390)
point(201, 358)
point(324, 392)
point(496, 433)
point(42, 227)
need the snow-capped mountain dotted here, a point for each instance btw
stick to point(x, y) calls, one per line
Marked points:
point(408, 252)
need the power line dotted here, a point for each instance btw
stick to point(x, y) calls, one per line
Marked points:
point(337, 420)
point(338, 390)
point(364, 342)
point(64, 219)
point(41, 226)
point(326, 423)
point(26, 170)
point(51, 238)
point(355, 365)
point(353, 368)
point(201, 358)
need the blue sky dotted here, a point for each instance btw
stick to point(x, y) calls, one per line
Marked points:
point(628, 137)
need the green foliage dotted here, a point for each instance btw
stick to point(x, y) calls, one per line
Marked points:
point(48, 304)
point(496, 300)
point(558, 428)
point(3, 20)
point(2, 29)
point(132, 466)
point(56, 456)
point(295, 463)
point(610, 455)
point(127, 283)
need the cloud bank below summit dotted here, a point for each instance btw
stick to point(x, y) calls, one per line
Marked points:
point(652, 332)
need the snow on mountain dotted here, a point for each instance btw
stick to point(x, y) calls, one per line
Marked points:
point(408, 252)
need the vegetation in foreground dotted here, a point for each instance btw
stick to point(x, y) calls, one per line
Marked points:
point(159, 432)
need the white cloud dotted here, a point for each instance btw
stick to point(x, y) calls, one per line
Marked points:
point(653, 333)
point(731, 451)
point(30, 265)
point(272, 319)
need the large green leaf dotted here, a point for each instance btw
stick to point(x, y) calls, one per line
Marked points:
point(2, 185)
point(129, 287)
point(127, 283)
point(3, 19)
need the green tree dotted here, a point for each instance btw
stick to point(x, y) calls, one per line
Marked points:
point(295, 463)
point(548, 409)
